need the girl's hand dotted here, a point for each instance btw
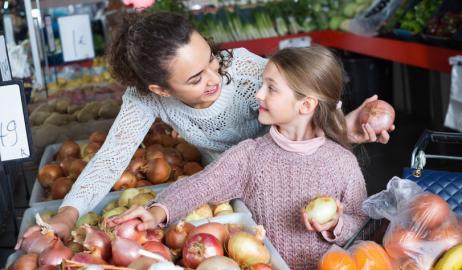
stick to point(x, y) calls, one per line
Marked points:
point(151, 219)
point(62, 224)
point(314, 226)
point(362, 133)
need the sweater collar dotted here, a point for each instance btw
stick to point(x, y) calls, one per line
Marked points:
point(307, 147)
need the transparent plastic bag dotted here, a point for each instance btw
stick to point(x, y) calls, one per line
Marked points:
point(422, 225)
point(369, 22)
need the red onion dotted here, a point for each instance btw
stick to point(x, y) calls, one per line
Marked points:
point(200, 247)
point(218, 263)
point(37, 242)
point(177, 233)
point(55, 254)
point(159, 248)
point(87, 258)
point(128, 230)
point(124, 251)
point(379, 114)
point(216, 229)
point(26, 262)
point(97, 242)
point(155, 235)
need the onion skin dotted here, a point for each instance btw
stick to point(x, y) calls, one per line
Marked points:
point(126, 180)
point(218, 263)
point(142, 263)
point(124, 251)
point(173, 157)
point(47, 267)
point(76, 167)
point(200, 247)
point(68, 149)
point(379, 114)
point(142, 183)
point(261, 266)
point(139, 153)
point(91, 148)
point(55, 254)
point(48, 174)
point(98, 137)
point(26, 262)
point(37, 242)
point(157, 235)
point(191, 168)
point(159, 248)
point(157, 171)
point(246, 249)
point(189, 152)
point(127, 230)
point(98, 242)
point(154, 151)
point(65, 165)
point(429, 211)
point(322, 209)
point(176, 234)
point(87, 258)
point(220, 231)
point(135, 167)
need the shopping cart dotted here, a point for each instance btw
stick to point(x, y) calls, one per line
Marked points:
point(446, 184)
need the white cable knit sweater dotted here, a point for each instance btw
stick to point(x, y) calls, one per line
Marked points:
point(232, 118)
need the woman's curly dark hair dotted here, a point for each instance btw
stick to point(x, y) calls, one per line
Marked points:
point(144, 43)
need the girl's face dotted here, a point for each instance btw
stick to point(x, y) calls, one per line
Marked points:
point(194, 73)
point(278, 105)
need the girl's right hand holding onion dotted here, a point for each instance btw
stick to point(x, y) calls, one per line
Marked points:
point(150, 218)
point(61, 224)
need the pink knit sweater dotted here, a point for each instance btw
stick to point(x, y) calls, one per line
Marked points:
point(275, 184)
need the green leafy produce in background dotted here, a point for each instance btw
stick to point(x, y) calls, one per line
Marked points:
point(416, 18)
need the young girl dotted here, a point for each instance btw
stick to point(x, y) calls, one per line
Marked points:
point(305, 154)
point(207, 95)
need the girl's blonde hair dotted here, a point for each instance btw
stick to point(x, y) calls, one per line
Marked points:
point(315, 71)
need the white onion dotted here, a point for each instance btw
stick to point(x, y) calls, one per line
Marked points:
point(322, 209)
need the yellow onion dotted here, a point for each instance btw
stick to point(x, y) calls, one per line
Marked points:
point(248, 249)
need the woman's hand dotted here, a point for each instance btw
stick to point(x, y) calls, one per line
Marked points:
point(362, 133)
point(313, 226)
point(62, 224)
point(151, 219)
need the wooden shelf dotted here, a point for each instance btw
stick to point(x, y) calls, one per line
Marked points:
point(409, 53)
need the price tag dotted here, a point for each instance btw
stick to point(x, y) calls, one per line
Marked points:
point(5, 70)
point(299, 42)
point(76, 37)
point(15, 138)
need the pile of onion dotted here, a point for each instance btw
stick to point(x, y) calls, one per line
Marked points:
point(379, 114)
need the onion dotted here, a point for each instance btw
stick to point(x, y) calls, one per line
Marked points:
point(98, 137)
point(26, 262)
point(37, 242)
point(135, 167)
point(176, 234)
point(65, 164)
point(173, 157)
point(142, 199)
point(429, 211)
point(127, 195)
point(157, 170)
point(218, 230)
point(124, 251)
point(97, 242)
point(128, 230)
point(55, 254)
point(200, 247)
point(75, 247)
point(48, 174)
point(247, 249)
point(61, 187)
point(401, 243)
point(159, 248)
point(84, 257)
point(142, 183)
point(47, 267)
point(164, 140)
point(68, 149)
point(139, 153)
point(142, 263)
point(177, 171)
point(322, 209)
point(234, 228)
point(379, 114)
point(76, 167)
point(218, 263)
point(126, 180)
point(154, 151)
point(203, 212)
point(261, 266)
point(91, 148)
point(189, 152)
point(155, 235)
point(191, 168)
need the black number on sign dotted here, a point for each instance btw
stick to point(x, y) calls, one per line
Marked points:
point(11, 127)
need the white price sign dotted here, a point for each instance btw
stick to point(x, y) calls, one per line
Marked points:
point(76, 37)
point(299, 42)
point(14, 123)
point(5, 70)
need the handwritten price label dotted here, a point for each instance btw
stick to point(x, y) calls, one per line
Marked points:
point(14, 139)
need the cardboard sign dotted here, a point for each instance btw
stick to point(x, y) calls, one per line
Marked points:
point(5, 70)
point(76, 37)
point(15, 136)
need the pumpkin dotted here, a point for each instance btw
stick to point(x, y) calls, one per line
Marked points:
point(369, 255)
point(337, 260)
